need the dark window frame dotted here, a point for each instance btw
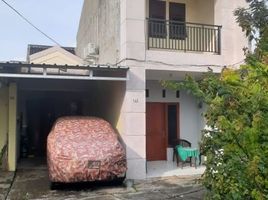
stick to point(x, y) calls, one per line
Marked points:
point(157, 24)
point(177, 19)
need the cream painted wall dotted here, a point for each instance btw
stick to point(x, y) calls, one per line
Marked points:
point(12, 127)
point(218, 12)
point(233, 40)
point(197, 11)
point(3, 116)
point(131, 43)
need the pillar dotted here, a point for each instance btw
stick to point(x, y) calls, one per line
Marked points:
point(12, 127)
point(3, 116)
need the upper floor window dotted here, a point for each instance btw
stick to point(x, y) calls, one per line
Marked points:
point(157, 13)
point(167, 17)
point(168, 29)
point(177, 12)
point(177, 28)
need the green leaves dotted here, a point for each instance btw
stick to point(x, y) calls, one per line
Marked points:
point(237, 145)
point(237, 112)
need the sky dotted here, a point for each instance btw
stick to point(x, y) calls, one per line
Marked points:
point(57, 18)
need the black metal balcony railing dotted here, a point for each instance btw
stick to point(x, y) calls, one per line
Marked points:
point(174, 35)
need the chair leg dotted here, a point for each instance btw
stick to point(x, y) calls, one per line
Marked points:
point(177, 159)
point(199, 159)
point(190, 161)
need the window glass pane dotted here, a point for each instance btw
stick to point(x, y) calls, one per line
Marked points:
point(157, 15)
point(177, 12)
point(157, 9)
point(177, 29)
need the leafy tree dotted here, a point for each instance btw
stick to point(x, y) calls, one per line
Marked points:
point(236, 144)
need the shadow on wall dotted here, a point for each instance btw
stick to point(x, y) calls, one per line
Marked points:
point(108, 100)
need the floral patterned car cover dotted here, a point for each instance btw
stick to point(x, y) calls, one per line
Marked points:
point(83, 149)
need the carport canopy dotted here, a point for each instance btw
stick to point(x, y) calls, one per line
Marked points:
point(14, 74)
point(47, 71)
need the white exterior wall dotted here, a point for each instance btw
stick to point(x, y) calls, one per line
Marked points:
point(133, 52)
point(133, 110)
point(131, 123)
point(190, 114)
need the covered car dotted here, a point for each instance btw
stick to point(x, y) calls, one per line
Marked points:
point(82, 149)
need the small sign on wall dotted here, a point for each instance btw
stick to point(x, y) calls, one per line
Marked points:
point(135, 100)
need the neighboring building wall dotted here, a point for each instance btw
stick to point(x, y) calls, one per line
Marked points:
point(55, 55)
point(54, 58)
point(190, 113)
point(104, 16)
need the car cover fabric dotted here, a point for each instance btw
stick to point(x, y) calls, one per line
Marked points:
point(84, 149)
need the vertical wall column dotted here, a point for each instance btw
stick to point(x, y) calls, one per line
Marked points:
point(133, 47)
point(132, 29)
point(3, 116)
point(132, 123)
point(12, 127)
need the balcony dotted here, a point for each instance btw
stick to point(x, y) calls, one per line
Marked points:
point(183, 36)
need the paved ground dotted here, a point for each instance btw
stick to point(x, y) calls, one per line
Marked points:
point(32, 183)
point(6, 179)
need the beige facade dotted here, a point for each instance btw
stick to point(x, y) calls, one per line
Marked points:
point(126, 34)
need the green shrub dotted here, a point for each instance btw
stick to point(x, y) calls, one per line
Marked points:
point(236, 144)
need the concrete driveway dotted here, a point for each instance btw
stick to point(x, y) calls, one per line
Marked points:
point(32, 183)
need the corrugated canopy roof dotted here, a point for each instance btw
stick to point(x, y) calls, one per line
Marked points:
point(45, 71)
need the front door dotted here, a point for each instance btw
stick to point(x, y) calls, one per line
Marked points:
point(156, 137)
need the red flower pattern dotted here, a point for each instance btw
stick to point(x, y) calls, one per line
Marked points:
point(83, 149)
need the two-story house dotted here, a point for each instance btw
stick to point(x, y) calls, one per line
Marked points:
point(159, 40)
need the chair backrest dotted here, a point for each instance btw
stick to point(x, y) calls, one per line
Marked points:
point(182, 142)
